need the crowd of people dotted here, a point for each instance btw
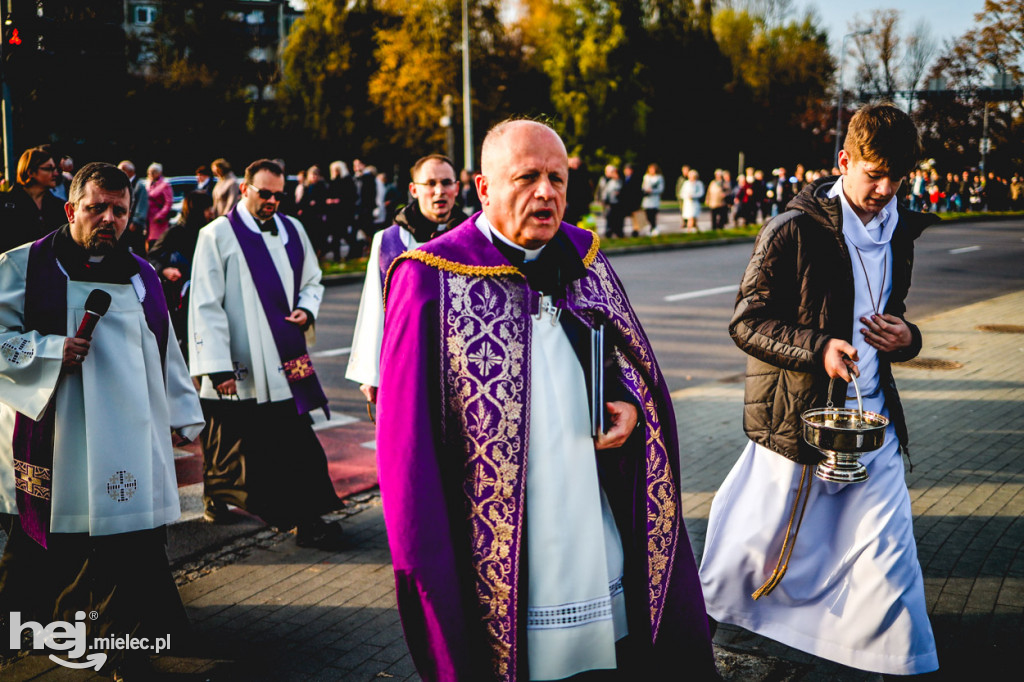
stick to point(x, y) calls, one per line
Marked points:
point(753, 196)
point(508, 339)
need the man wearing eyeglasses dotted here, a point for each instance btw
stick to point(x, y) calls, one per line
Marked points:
point(434, 188)
point(255, 292)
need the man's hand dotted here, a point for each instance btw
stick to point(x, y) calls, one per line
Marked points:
point(623, 416)
point(298, 317)
point(75, 350)
point(839, 359)
point(369, 391)
point(887, 333)
point(227, 388)
point(171, 274)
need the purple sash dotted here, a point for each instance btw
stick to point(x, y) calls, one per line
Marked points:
point(288, 337)
point(391, 247)
point(46, 304)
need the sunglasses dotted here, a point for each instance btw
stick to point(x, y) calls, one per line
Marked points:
point(266, 194)
point(446, 183)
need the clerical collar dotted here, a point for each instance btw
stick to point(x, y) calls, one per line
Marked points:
point(116, 267)
point(495, 236)
point(549, 269)
point(876, 232)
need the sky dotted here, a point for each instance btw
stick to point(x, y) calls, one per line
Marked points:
point(945, 18)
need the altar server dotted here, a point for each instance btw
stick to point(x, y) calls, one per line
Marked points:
point(828, 568)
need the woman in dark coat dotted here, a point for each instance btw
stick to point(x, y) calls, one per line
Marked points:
point(171, 256)
point(30, 211)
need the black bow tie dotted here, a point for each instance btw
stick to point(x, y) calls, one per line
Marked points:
point(269, 226)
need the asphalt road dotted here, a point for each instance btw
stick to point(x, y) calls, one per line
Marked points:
point(685, 297)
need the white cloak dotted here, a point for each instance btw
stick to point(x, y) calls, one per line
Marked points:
point(364, 359)
point(113, 465)
point(228, 329)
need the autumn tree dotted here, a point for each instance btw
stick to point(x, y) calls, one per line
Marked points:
point(328, 62)
point(888, 61)
point(785, 69)
point(420, 62)
point(573, 41)
point(955, 120)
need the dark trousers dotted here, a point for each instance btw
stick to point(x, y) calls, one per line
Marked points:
point(266, 459)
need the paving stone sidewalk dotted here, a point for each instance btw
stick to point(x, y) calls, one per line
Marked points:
point(268, 610)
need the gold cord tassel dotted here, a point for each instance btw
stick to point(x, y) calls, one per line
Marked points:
point(803, 490)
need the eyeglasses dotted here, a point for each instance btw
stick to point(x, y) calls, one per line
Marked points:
point(445, 184)
point(266, 194)
point(48, 169)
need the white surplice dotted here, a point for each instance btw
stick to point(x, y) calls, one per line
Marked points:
point(576, 608)
point(364, 358)
point(113, 465)
point(228, 329)
point(853, 592)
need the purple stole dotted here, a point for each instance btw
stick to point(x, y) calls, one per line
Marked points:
point(46, 304)
point(391, 247)
point(288, 337)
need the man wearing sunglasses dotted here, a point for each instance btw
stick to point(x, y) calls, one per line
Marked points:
point(255, 291)
point(434, 189)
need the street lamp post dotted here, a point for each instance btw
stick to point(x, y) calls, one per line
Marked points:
point(839, 102)
point(467, 103)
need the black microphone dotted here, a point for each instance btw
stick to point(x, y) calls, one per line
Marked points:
point(95, 308)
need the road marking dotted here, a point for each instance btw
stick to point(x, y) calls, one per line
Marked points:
point(702, 292)
point(334, 352)
point(965, 249)
point(337, 419)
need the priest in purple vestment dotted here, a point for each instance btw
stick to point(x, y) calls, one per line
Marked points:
point(526, 447)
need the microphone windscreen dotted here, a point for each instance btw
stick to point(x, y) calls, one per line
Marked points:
point(98, 302)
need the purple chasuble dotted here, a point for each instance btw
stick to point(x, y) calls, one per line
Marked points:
point(288, 337)
point(46, 303)
point(391, 247)
point(452, 441)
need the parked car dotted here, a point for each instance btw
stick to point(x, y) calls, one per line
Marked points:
point(180, 186)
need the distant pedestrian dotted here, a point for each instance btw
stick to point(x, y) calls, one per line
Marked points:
point(716, 201)
point(172, 255)
point(614, 209)
point(341, 210)
point(161, 198)
point(631, 197)
point(824, 296)
point(225, 192)
point(366, 199)
point(204, 179)
point(30, 211)
point(313, 208)
point(138, 226)
point(469, 200)
point(653, 186)
point(580, 193)
point(691, 194)
point(255, 292)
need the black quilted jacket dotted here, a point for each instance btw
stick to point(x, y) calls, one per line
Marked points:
point(796, 294)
